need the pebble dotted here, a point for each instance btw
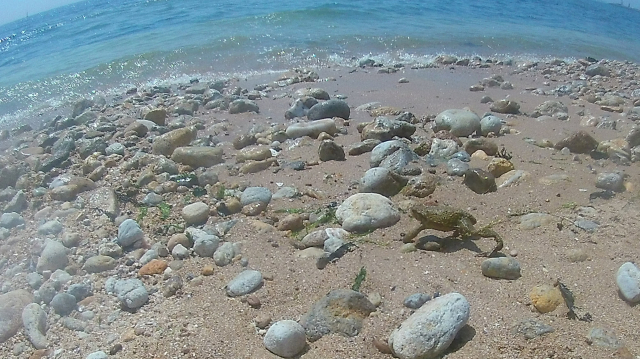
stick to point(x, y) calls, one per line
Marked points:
point(285, 338)
point(195, 213)
point(11, 220)
point(63, 303)
point(382, 181)
point(99, 263)
point(610, 181)
point(532, 328)
point(131, 293)
point(155, 266)
point(328, 150)
point(34, 320)
point(180, 252)
point(312, 129)
point(198, 156)
point(501, 268)
point(545, 298)
point(244, 283)
point(53, 256)
point(80, 290)
point(628, 281)
point(224, 254)
point(255, 194)
point(98, 355)
point(329, 109)
point(603, 338)
point(461, 123)
point(205, 246)
point(428, 332)
point(129, 233)
point(416, 300)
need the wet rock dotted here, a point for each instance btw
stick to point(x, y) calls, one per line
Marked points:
point(131, 293)
point(578, 142)
point(129, 233)
point(242, 106)
point(385, 129)
point(628, 281)
point(341, 311)
point(329, 109)
point(461, 123)
point(532, 328)
point(244, 283)
point(501, 268)
point(99, 263)
point(480, 181)
point(198, 156)
point(195, 213)
point(505, 106)
point(34, 320)
point(330, 151)
point(546, 298)
point(364, 212)
point(165, 144)
point(285, 338)
point(312, 129)
point(53, 257)
point(382, 181)
point(428, 332)
point(11, 307)
point(63, 304)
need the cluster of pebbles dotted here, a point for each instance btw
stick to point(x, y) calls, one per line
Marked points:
point(105, 209)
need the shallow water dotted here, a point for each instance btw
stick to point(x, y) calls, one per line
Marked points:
point(106, 46)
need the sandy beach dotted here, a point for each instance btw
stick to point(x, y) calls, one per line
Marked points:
point(587, 233)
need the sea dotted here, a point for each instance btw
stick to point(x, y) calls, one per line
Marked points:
point(104, 47)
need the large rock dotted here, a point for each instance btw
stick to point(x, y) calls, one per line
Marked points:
point(384, 129)
point(329, 109)
point(11, 306)
point(244, 283)
point(365, 212)
point(596, 69)
point(198, 156)
point(428, 332)
point(53, 257)
point(165, 144)
point(312, 129)
point(341, 311)
point(382, 181)
point(461, 123)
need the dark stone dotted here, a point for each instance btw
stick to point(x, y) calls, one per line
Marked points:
point(480, 181)
point(578, 142)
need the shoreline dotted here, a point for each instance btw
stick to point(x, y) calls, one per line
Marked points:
point(200, 319)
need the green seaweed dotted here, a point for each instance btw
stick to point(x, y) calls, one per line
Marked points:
point(359, 279)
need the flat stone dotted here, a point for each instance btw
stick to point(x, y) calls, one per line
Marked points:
point(532, 328)
point(198, 156)
point(341, 311)
point(244, 283)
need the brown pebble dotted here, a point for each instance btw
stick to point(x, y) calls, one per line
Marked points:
point(254, 301)
point(382, 346)
point(207, 270)
point(156, 266)
point(40, 353)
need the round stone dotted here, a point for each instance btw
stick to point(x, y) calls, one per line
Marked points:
point(196, 213)
point(285, 338)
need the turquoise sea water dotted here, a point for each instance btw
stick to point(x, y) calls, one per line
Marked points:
point(106, 46)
